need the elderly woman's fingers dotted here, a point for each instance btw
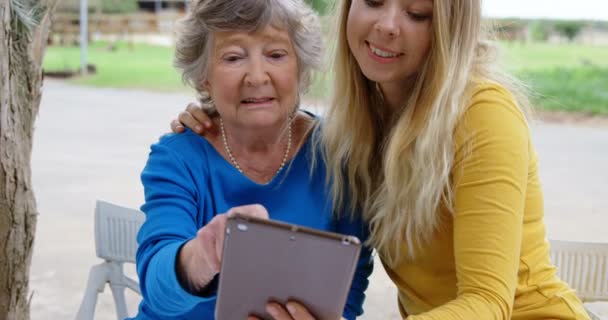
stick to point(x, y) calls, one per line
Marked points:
point(292, 311)
point(198, 260)
point(252, 210)
point(220, 232)
point(298, 311)
point(278, 312)
point(208, 239)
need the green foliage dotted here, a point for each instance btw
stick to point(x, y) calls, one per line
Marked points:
point(321, 6)
point(569, 29)
point(539, 31)
point(563, 77)
point(581, 89)
point(119, 6)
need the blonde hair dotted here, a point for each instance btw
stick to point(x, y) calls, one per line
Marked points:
point(395, 168)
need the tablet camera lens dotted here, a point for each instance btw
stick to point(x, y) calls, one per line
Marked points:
point(242, 227)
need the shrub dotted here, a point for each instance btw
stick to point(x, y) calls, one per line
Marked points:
point(119, 6)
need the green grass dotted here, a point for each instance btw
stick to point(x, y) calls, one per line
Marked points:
point(542, 56)
point(143, 66)
point(564, 77)
point(579, 89)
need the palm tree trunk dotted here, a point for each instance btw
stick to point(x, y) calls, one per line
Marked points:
point(24, 27)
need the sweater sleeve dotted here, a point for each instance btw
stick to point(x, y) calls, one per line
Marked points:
point(489, 177)
point(171, 220)
point(365, 266)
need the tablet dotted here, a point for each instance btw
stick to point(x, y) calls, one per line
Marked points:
point(266, 260)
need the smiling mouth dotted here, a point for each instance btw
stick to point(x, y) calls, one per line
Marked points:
point(385, 54)
point(257, 101)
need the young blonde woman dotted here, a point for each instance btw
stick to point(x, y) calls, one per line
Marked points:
point(430, 138)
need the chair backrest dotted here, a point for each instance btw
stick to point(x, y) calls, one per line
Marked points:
point(116, 230)
point(584, 266)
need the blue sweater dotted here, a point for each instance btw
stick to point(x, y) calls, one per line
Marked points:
point(187, 182)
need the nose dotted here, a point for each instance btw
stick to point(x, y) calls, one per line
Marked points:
point(388, 22)
point(257, 73)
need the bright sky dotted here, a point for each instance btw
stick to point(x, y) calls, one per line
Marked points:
point(552, 9)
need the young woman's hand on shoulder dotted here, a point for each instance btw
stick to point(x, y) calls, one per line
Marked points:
point(194, 117)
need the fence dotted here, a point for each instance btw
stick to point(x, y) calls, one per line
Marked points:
point(65, 28)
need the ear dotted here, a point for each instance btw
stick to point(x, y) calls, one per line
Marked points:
point(206, 85)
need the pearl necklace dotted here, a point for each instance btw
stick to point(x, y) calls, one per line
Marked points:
point(236, 164)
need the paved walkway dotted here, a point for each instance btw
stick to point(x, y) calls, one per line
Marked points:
point(92, 144)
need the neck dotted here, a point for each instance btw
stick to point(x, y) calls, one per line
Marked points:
point(258, 158)
point(251, 141)
point(396, 93)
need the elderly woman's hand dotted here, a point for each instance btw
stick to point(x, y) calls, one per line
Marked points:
point(194, 117)
point(291, 311)
point(200, 258)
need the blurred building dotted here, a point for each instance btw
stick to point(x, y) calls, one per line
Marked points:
point(123, 6)
point(131, 20)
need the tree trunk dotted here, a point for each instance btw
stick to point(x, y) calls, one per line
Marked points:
point(24, 27)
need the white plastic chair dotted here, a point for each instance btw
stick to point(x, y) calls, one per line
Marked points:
point(584, 266)
point(115, 241)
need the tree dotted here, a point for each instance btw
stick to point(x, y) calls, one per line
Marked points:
point(539, 31)
point(24, 27)
point(569, 29)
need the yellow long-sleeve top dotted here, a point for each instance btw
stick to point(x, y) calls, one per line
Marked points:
point(491, 258)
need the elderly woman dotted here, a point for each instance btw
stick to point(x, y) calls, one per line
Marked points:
point(251, 60)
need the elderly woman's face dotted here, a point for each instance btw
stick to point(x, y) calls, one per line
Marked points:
point(253, 77)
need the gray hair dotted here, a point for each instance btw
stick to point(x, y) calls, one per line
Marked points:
point(195, 34)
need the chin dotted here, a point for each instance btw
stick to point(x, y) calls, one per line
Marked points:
point(261, 120)
point(381, 76)
point(376, 76)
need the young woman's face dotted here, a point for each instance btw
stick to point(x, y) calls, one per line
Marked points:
point(390, 39)
point(253, 77)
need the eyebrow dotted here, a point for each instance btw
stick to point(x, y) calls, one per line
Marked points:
point(424, 3)
point(242, 36)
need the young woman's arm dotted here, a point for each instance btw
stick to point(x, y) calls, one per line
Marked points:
point(490, 178)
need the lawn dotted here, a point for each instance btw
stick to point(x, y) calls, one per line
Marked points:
point(564, 77)
point(142, 66)
point(543, 56)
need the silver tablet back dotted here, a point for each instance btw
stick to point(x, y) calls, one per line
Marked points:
point(265, 260)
